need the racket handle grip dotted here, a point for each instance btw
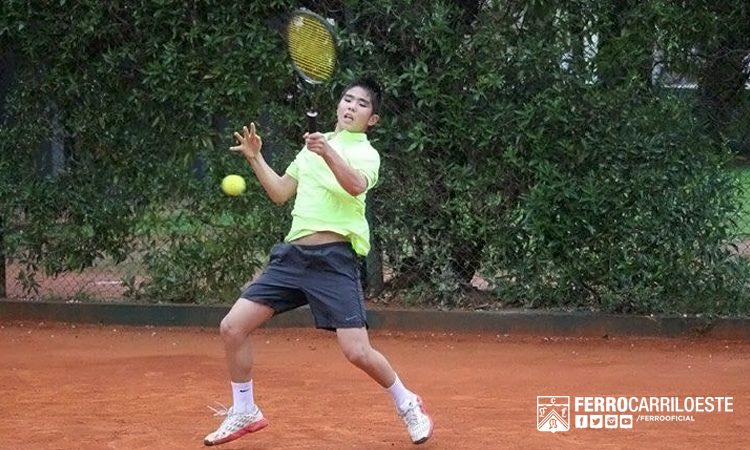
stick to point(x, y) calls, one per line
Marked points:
point(312, 121)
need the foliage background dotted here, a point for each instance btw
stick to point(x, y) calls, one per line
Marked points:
point(572, 156)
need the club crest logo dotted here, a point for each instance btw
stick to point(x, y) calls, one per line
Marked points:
point(553, 413)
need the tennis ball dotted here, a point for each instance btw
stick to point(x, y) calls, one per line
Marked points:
point(233, 185)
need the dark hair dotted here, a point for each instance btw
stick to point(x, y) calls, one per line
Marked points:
point(373, 88)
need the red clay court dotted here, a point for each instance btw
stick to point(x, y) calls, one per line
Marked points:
point(74, 386)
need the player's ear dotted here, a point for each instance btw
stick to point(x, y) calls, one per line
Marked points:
point(373, 120)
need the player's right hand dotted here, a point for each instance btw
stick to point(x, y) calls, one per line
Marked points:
point(249, 143)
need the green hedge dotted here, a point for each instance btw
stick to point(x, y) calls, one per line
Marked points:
point(564, 177)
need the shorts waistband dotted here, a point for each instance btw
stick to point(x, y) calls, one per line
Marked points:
point(320, 246)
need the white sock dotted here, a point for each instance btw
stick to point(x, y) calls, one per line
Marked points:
point(242, 397)
point(400, 394)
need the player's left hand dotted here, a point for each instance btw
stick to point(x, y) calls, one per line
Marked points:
point(317, 143)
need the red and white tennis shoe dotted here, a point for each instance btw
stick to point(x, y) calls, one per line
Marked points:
point(418, 423)
point(236, 425)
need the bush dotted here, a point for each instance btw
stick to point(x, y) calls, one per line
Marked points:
point(511, 150)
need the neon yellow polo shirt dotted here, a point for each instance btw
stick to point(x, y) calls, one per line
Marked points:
point(321, 204)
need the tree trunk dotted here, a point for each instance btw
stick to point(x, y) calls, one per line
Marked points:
point(7, 69)
point(372, 270)
point(2, 258)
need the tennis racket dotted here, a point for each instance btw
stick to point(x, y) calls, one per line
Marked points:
point(312, 48)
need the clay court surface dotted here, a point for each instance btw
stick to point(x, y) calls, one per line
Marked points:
point(65, 386)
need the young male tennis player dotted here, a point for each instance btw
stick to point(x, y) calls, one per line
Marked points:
point(317, 262)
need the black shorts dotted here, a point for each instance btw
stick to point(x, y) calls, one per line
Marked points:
point(324, 276)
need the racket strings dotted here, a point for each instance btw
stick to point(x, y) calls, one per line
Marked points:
point(312, 48)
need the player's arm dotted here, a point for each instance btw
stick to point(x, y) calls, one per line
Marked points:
point(279, 188)
point(352, 180)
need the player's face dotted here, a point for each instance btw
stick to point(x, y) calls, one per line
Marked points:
point(354, 112)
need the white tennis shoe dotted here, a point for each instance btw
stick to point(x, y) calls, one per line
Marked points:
point(235, 425)
point(418, 423)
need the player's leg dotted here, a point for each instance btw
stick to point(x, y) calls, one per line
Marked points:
point(355, 344)
point(235, 329)
point(244, 416)
point(337, 303)
point(274, 292)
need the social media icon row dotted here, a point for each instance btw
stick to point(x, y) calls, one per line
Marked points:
point(610, 421)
